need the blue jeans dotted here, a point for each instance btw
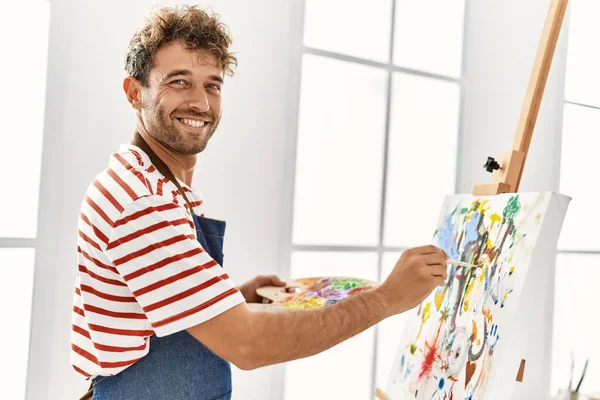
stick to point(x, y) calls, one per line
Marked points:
point(178, 367)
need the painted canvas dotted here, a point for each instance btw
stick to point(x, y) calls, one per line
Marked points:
point(450, 347)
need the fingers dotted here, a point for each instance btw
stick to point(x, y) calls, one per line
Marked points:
point(269, 280)
point(428, 249)
point(434, 259)
point(438, 271)
point(275, 281)
point(435, 264)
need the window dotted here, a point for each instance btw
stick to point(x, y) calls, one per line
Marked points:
point(578, 260)
point(381, 82)
point(22, 116)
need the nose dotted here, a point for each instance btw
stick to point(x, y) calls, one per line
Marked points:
point(199, 100)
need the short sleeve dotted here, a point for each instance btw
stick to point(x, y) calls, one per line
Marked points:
point(177, 284)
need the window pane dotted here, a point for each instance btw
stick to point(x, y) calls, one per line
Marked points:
point(344, 371)
point(16, 266)
point(429, 35)
point(580, 144)
point(356, 264)
point(389, 332)
point(422, 157)
point(339, 153)
point(583, 64)
point(354, 28)
point(576, 321)
point(22, 114)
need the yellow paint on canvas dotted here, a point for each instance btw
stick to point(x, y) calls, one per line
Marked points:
point(439, 298)
point(467, 295)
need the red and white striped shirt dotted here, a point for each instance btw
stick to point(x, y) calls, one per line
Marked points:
point(141, 270)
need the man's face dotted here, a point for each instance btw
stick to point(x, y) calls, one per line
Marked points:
point(181, 106)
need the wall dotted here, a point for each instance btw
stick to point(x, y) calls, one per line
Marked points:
point(87, 117)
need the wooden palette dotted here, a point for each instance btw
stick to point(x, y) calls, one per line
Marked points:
point(315, 292)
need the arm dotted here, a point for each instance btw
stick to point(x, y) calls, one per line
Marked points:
point(179, 286)
point(252, 339)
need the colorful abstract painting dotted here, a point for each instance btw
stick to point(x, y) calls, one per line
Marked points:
point(325, 291)
point(449, 350)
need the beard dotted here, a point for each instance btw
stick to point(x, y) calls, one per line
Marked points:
point(165, 129)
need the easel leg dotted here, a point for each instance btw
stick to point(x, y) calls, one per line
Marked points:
point(380, 394)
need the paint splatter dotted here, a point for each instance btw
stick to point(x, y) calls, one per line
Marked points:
point(447, 239)
point(494, 218)
point(470, 369)
point(431, 351)
point(305, 304)
point(512, 209)
point(439, 297)
point(322, 292)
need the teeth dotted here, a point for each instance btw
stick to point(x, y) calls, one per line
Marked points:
point(192, 122)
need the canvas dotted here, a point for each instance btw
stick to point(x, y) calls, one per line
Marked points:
point(452, 347)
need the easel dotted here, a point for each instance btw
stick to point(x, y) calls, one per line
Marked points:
point(508, 169)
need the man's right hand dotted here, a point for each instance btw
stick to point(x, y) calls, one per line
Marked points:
point(252, 339)
point(418, 271)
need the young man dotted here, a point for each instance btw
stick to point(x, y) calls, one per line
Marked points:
point(155, 315)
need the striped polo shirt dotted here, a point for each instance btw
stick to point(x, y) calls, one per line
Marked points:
point(141, 271)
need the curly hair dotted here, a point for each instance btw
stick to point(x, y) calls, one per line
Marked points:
point(191, 26)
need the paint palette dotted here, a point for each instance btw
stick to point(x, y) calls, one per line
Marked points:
point(315, 292)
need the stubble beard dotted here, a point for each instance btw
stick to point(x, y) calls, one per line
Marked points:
point(163, 129)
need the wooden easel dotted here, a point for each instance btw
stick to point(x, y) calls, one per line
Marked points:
point(508, 169)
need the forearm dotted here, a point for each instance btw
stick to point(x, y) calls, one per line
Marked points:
point(289, 335)
point(251, 339)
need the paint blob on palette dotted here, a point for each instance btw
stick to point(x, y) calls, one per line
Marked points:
point(451, 344)
point(317, 292)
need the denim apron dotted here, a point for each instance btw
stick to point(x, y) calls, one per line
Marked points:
point(178, 367)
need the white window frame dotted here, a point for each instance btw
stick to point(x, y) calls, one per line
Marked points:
point(288, 246)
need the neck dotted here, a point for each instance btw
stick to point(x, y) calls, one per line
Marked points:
point(182, 166)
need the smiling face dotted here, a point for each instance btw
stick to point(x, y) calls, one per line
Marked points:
point(181, 103)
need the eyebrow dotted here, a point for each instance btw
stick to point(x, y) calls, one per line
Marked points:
point(177, 72)
point(216, 78)
point(185, 72)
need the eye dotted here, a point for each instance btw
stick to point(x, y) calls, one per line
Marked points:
point(179, 82)
point(214, 86)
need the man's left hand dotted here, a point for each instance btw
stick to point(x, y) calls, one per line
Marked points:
point(248, 289)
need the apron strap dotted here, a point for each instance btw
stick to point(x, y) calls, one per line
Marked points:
point(160, 165)
point(89, 394)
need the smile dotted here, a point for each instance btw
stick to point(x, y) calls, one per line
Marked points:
point(194, 123)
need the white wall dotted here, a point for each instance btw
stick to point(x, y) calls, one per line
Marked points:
point(241, 172)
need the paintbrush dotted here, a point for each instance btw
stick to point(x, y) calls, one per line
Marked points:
point(462, 264)
point(572, 368)
point(582, 375)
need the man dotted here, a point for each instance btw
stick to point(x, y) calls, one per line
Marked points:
point(155, 316)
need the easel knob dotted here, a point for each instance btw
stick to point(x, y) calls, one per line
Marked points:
point(491, 165)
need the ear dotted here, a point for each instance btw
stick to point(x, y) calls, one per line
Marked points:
point(133, 91)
